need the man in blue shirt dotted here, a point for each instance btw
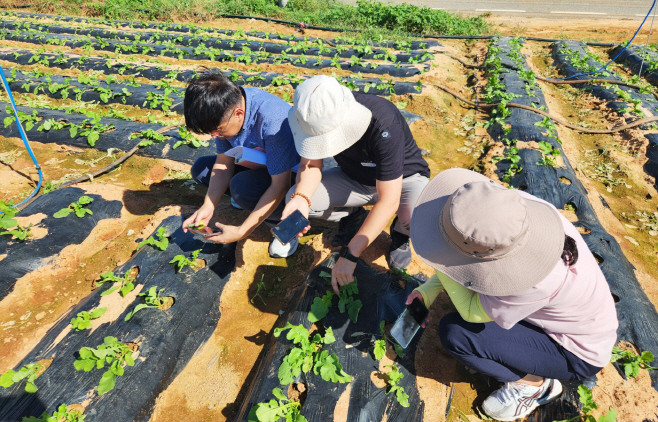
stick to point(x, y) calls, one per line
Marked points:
point(251, 118)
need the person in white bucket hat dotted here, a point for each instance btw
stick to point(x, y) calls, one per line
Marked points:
point(379, 164)
point(533, 305)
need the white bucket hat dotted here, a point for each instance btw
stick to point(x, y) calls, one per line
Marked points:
point(325, 118)
point(484, 236)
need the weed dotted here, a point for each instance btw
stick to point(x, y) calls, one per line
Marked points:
point(261, 286)
point(162, 243)
point(82, 321)
point(152, 299)
point(393, 378)
point(632, 362)
point(125, 287)
point(181, 261)
point(59, 415)
point(77, 207)
point(306, 355)
point(111, 352)
point(273, 410)
point(29, 373)
point(589, 405)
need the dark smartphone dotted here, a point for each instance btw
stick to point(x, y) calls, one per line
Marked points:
point(204, 234)
point(289, 228)
point(408, 323)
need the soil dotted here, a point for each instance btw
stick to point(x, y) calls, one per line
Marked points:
point(213, 384)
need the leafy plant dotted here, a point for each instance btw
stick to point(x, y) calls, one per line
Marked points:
point(273, 410)
point(152, 299)
point(19, 232)
point(549, 153)
point(393, 378)
point(632, 362)
point(380, 345)
point(162, 243)
point(77, 207)
point(181, 261)
point(29, 373)
point(111, 352)
point(29, 120)
point(82, 320)
point(59, 415)
point(307, 355)
point(149, 137)
point(588, 405)
point(89, 128)
point(125, 287)
point(189, 139)
point(7, 213)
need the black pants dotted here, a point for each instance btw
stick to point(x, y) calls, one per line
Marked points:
point(509, 355)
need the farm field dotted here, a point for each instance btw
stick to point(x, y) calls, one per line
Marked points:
point(208, 344)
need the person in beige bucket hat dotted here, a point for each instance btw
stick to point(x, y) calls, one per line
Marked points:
point(379, 164)
point(533, 305)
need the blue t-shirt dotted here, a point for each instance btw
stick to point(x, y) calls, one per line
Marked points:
point(265, 127)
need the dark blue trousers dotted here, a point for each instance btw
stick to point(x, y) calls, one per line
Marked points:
point(246, 187)
point(509, 355)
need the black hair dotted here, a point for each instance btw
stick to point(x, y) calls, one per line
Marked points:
point(570, 251)
point(208, 98)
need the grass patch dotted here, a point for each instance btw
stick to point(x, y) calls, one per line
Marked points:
point(374, 18)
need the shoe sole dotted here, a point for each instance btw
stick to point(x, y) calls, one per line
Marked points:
point(555, 393)
point(287, 256)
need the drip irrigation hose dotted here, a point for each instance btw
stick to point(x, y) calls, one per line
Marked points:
point(21, 131)
point(636, 123)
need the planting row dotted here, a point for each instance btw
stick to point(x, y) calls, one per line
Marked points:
point(315, 48)
point(203, 52)
point(197, 29)
point(157, 95)
point(117, 346)
point(640, 60)
point(534, 161)
point(328, 350)
point(573, 58)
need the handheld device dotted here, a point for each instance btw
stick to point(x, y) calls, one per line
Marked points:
point(289, 228)
point(204, 234)
point(408, 323)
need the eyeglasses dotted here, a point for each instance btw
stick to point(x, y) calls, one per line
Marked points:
point(220, 133)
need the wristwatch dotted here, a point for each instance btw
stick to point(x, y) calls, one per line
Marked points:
point(345, 253)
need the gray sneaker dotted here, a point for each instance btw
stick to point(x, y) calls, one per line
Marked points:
point(279, 250)
point(399, 252)
point(515, 400)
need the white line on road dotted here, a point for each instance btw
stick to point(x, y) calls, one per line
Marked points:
point(578, 13)
point(500, 10)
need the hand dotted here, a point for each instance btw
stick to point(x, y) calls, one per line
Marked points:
point(297, 203)
point(342, 274)
point(203, 214)
point(416, 294)
point(227, 234)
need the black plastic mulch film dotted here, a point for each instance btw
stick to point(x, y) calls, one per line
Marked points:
point(562, 56)
point(379, 293)
point(25, 257)
point(166, 339)
point(119, 137)
point(638, 320)
point(182, 28)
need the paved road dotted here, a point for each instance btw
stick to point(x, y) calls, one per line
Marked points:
point(633, 9)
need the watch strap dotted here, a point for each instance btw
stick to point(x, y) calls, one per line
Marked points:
point(345, 253)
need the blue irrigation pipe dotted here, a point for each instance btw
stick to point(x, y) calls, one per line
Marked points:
point(21, 131)
point(618, 54)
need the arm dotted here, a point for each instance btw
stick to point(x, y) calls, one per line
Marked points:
point(220, 177)
point(466, 301)
point(429, 290)
point(309, 177)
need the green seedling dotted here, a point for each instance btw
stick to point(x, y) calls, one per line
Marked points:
point(111, 352)
point(632, 362)
point(149, 137)
point(19, 232)
point(380, 345)
point(393, 378)
point(82, 321)
point(307, 355)
point(181, 261)
point(28, 120)
point(261, 286)
point(273, 410)
point(189, 139)
point(125, 287)
point(77, 207)
point(59, 415)
point(162, 243)
point(7, 214)
point(29, 373)
point(152, 299)
point(346, 301)
point(588, 406)
point(196, 226)
point(549, 153)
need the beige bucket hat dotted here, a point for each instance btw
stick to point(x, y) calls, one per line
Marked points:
point(326, 119)
point(484, 236)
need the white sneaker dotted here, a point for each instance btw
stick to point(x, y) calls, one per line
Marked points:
point(279, 250)
point(235, 204)
point(515, 400)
